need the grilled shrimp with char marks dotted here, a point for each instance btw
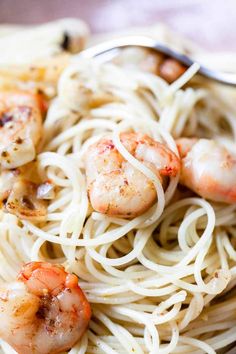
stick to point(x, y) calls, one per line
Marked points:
point(208, 168)
point(115, 187)
point(44, 311)
point(20, 127)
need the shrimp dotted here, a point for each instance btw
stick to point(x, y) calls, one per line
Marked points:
point(22, 197)
point(115, 187)
point(147, 60)
point(208, 168)
point(170, 70)
point(44, 311)
point(20, 127)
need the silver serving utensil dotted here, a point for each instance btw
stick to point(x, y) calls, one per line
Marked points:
point(149, 43)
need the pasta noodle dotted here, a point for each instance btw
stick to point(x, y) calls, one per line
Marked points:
point(163, 282)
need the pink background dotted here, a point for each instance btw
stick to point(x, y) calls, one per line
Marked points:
point(211, 23)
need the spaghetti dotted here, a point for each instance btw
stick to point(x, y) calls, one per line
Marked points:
point(162, 282)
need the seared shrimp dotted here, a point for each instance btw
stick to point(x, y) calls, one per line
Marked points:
point(22, 197)
point(20, 127)
point(208, 168)
point(44, 311)
point(115, 187)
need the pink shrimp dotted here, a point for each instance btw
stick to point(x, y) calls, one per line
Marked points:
point(115, 187)
point(208, 168)
point(44, 311)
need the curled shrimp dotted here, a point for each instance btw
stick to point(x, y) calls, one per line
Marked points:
point(20, 127)
point(44, 311)
point(208, 168)
point(115, 187)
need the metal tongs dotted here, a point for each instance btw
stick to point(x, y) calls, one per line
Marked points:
point(149, 43)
